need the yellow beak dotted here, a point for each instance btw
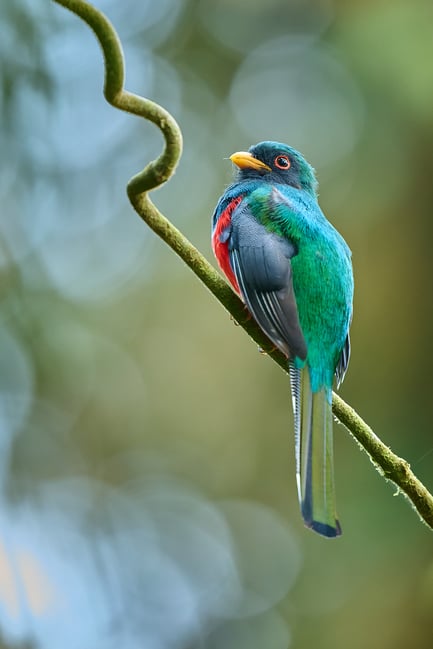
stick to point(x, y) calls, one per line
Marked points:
point(245, 160)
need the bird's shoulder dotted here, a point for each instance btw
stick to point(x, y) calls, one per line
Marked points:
point(287, 211)
point(272, 196)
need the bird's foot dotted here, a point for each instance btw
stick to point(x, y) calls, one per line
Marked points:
point(267, 353)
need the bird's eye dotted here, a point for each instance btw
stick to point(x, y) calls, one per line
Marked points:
point(282, 162)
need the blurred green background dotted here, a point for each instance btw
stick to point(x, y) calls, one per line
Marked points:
point(147, 474)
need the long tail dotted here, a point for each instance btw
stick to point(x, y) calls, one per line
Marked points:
point(314, 454)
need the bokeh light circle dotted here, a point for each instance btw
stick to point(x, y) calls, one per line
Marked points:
point(295, 90)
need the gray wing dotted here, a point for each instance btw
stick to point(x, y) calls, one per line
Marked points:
point(261, 263)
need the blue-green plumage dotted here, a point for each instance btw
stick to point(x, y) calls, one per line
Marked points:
point(294, 272)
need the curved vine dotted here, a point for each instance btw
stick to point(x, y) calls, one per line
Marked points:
point(159, 171)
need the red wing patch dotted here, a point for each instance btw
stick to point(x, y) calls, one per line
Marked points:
point(220, 244)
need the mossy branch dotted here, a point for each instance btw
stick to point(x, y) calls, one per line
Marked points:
point(158, 172)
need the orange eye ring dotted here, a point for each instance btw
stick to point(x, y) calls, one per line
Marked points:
point(282, 162)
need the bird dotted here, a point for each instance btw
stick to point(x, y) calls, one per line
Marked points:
point(293, 271)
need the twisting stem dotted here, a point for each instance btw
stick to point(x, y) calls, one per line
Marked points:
point(159, 171)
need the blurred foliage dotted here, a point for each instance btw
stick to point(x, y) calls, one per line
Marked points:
point(148, 493)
